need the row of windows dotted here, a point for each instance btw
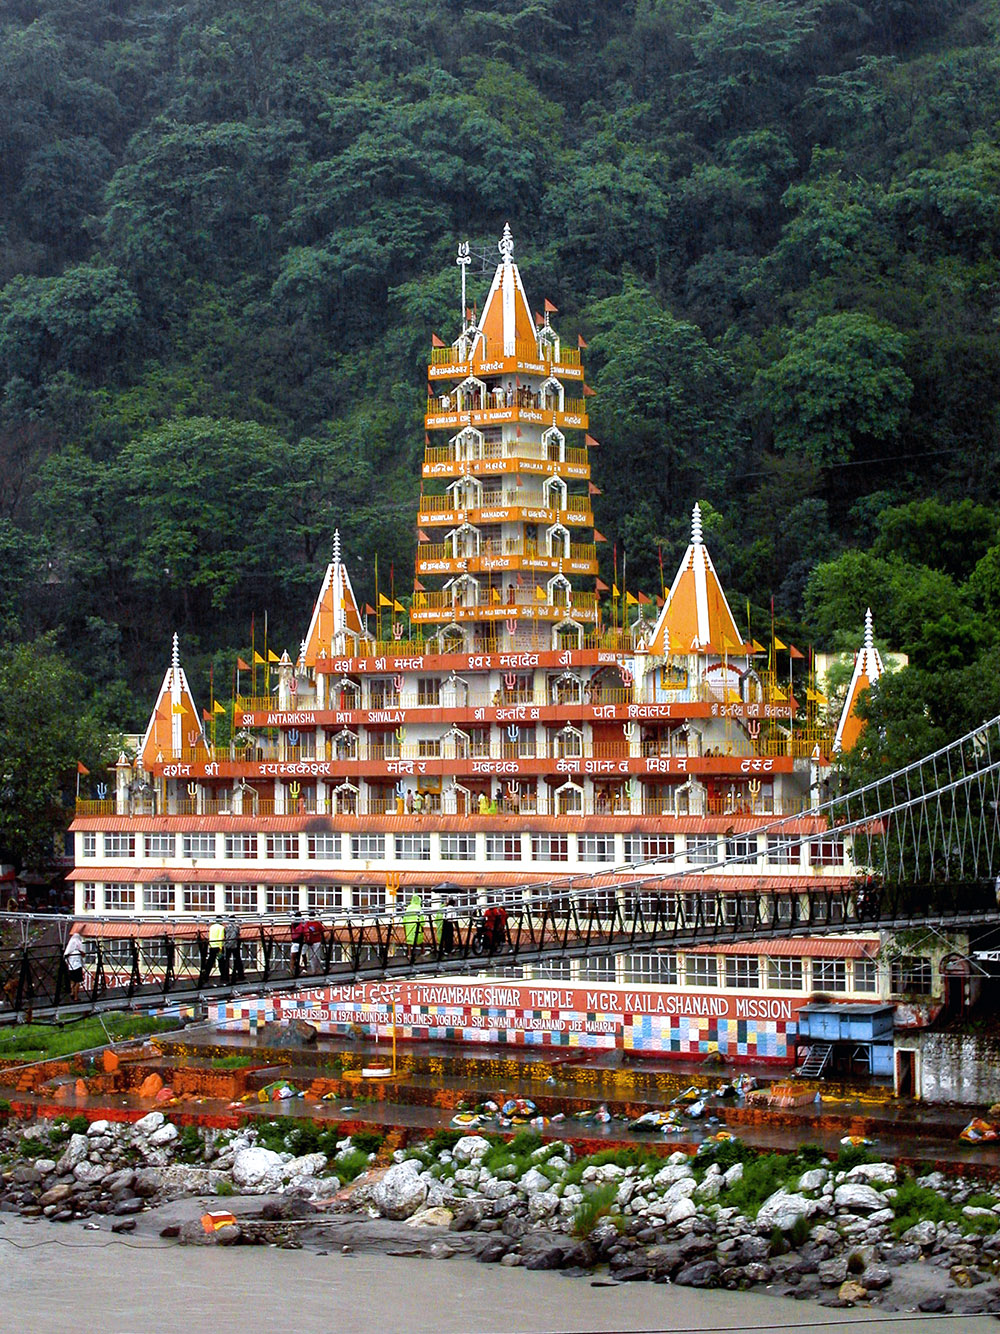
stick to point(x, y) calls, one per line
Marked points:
point(638, 848)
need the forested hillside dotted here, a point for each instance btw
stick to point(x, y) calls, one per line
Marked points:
point(228, 229)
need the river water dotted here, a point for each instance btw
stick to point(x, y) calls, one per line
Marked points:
point(62, 1279)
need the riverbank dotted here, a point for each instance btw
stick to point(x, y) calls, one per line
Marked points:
point(851, 1233)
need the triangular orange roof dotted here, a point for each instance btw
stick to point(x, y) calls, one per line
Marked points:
point(506, 319)
point(696, 617)
point(175, 724)
point(868, 668)
point(335, 613)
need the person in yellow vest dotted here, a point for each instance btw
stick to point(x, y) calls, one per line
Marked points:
point(216, 942)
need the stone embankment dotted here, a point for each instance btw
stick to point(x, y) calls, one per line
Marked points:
point(844, 1233)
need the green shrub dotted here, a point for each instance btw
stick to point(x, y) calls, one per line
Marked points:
point(350, 1164)
point(189, 1145)
point(762, 1176)
point(78, 1125)
point(367, 1141)
point(596, 1204)
point(851, 1155)
point(225, 1187)
point(633, 1156)
point(443, 1141)
point(231, 1062)
point(915, 1204)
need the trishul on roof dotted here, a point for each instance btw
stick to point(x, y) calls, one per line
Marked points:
point(868, 667)
point(696, 617)
point(175, 719)
point(335, 615)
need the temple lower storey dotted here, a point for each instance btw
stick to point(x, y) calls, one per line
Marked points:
point(512, 731)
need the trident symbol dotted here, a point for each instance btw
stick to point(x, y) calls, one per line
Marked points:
point(392, 883)
point(511, 626)
point(754, 786)
point(513, 732)
point(400, 734)
point(102, 791)
point(753, 726)
point(295, 791)
point(400, 788)
point(629, 730)
point(397, 681)
point(192, 790)
point(293, 737)
point(513, 790)
point(510, 680)
point(397, 629)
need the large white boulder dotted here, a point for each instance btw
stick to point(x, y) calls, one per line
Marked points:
point(470, 1149)
point(782, 1210)
point(148, 1123)
point(257, 1170)
point(401, 1191)
point(75, 1152)
point(309, 1165)
point(881, 1174)
point(854, 1197)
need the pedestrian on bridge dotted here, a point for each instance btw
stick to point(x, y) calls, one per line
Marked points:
point(74, 954)
point(213, 955)
point(232, 960)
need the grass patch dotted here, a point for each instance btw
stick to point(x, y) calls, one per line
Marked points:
point(189, 1145)
point(596, 1204)
point(918, 1204)
point(37, 1042)
point(231, 1062)
point(633, 1156)
point(225, 1187)
point(302, 1137)
point(350, 1164)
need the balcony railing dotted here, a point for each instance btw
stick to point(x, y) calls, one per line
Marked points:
point(512, 450)
point(494, 351)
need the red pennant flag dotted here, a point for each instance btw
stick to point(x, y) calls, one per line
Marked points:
point(206, 716)
point(538, 319)
point(435, 341)
point(580, 341)
point(643, 600)
point(427, 438)
point(601, 586)
point(593, 490)
point(659, 600)
point(369, 609)
point(550, 309)
point(242, 666)
point(422, 536)
point(591, 443)
point(468, 314)
point(588, 392)
point(81, 768)
point(519, 433)
point(793, 652)
point(599, 537)
point(418, 587)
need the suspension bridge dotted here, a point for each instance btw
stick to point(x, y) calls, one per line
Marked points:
point(922, 844)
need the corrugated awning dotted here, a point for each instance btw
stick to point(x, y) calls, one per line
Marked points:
point(801, 947)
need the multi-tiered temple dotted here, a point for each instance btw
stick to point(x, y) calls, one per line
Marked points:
point(515, 731)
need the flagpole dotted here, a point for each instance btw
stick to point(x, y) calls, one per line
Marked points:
point(378, 605)
point(253, 653)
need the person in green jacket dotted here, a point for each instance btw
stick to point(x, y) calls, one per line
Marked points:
point(411, 919)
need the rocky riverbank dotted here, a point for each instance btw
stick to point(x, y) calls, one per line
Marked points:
point(846, 1232)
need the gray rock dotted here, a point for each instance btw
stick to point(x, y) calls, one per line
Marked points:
point(469, 1216)
point(259, 1171)
point(147, 1124)
point(132, 1205)
point(400, 1192)
point(470, 1149)
point(89, 1173)
point(856, 1198)
point(494, 1250)
point(684, 1209)
point(758, 1272)
point(782, 1210)
point(533, 1182)
point(673, 1172)
point(701, 1274)
point(875, 1278)
point(882, 1174)
point(542, 1205)
point(45, 1165)
point(75, 1152)
point(147, 1182)
point(120, 1180)
point(732, 1175)
point(56, 1194)
point(166, 1134)
point(815, 1179)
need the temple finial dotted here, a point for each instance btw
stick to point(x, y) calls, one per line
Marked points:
point(175, 656)
point(506, 244)
point(696, 525)
point(869, 631)
point(336, 546)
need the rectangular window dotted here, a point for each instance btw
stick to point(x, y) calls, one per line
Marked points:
point(701, 970)
point(160, 845)
point(553, 970)
point(701, 851)
point(827, 851)
point(596, 847)
point(324, 898)
point(458, 847)
point(654, 904)
point(429, 749)
point(89, 896)
point(368, 847)
point(119, 845)
point(742, 971)
point(654, 969)
point(503, 847)
point(479, 742)
point(829, 974)
point(241, 898)
point(158, 898)
point(368, 898)
point(550, 847)
point(648, 847)
point(198, 845)
point(241, 847)
point(911, 975)
point(784, 974)
point(324, 847)
point(865, 975)
point(90, 845)
point(281, 898)
point(742, 848)
point(119, 898)
point(781, 851)
point(598, 968)
point(413, 847)
point(428, 690)
point(199, 898)
point(282, 847)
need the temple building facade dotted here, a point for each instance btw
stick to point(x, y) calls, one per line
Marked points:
point(512, 730)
